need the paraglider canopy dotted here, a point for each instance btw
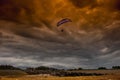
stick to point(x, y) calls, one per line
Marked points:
point(63, 21)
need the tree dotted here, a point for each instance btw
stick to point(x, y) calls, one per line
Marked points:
point(102, 68)
point(80, 68)
point(116, 67)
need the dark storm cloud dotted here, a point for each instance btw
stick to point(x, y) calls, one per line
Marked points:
point(112, 5)
point(4, 2)
point(112, 33)
point(40, 49)
point(83, 3)
point(117, 5)
point(90, 50)
point(16, 10)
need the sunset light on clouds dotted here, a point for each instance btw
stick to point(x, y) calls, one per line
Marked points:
point(29, 35)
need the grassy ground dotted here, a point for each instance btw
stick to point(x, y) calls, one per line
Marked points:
point(116, 72)
point(109, 77)
point(113, 75)
point(12, 73)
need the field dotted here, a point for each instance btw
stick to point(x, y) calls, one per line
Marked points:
point(12, 73)
point(110, 77)
point(114, 75)
point(110, 72)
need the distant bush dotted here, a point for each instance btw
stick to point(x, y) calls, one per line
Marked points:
point(80, 68)
point(42, 68)
point(76, 69)
point(116, 67)
point(102, 68)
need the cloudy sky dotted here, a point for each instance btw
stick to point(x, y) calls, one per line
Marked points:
point(29, 35)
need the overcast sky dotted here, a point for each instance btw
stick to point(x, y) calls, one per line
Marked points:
point(29, 35)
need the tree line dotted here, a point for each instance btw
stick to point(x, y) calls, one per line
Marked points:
point(10, 67)
point(56, 72)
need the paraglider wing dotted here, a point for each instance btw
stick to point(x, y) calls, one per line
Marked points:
point(63, 21)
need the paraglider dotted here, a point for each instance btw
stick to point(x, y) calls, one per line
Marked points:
point(63, 21)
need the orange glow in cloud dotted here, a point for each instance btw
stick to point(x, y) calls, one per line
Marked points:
point(37, 11)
